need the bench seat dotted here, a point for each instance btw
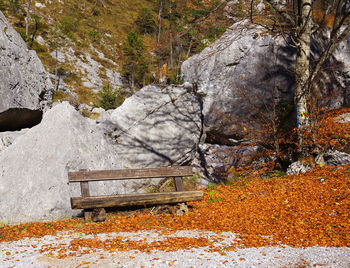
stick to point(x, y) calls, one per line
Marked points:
point(135, 199)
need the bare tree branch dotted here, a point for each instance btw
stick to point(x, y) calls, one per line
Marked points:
point(332, 45)
point(319, 25)
point(277, 6)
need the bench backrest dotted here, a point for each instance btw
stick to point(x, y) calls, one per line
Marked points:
point(125, 174)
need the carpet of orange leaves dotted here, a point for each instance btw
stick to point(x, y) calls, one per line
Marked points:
point(332, 133)
point(301, 211)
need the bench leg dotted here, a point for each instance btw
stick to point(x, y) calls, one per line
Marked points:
point(96, 215)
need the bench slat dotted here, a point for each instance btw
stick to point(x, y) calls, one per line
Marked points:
point(135, 199)
point(124, 174)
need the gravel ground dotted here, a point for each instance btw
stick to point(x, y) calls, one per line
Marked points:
point(26, 253)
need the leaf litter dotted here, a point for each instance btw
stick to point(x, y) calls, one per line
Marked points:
point(306, 210)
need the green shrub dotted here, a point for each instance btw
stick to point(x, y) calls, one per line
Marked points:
point(59, 95)
point(111, 98)
point(22, 33)
point(94, 35)
point(68, 25)
point(38, 47)
point(2, 5)
point(215, 32)
point(14, 6)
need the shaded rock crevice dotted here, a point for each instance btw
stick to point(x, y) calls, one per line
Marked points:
point(15, 119)
point(202, 137)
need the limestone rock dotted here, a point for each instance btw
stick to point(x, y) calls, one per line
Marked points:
point(89, 68)
point(182, 209)
point(233, 9)
point(98, 215)
point(7, 138)
point(330, 158)
point(213, 160)
point(233, 80)
point(33, 169)
point(336, 158)
point(157, 126)
point(298, 167)
point(344, 118)
point(244, 72)
point(25, 87)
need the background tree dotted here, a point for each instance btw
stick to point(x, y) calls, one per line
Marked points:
point(135, 66)
point(185, 28)
point(145, 22)
point(14, 6)
point(37, 27)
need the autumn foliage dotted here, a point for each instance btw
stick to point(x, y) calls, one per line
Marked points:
point(300, 211)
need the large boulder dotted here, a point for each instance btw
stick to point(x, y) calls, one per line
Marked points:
point(236, 77)
point(244, 74)
point(8, 137)
point(25, 87)
point(156, 127)
point(33, 169)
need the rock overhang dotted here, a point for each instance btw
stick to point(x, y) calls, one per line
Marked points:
point(15, 119)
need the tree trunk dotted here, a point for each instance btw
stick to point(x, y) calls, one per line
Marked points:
point(160, 20)
point(27, 18)
point(171, 43)
point(56, 70)
point(133, 79)
point(302, 71)
point(189, 49)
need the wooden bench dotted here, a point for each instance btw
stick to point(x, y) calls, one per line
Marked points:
point(89, 202)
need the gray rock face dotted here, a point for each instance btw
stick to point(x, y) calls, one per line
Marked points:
point(25, 87)
point(344, 118)
point(297, 168)
point(157, 126)
point(336, 158)
point(342, 54)
point(7, 138)
point(213, 160)
point(330, 158)
point(243, 74)
point(33, 169)
point(233, 9)
point(232, 78)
